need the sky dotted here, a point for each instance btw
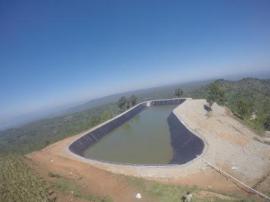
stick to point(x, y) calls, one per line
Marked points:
point(54, 53)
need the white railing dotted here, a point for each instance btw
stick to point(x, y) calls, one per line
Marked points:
point(235, 179)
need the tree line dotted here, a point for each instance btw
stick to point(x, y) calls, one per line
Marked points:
point(125, 103)
point(241, 105)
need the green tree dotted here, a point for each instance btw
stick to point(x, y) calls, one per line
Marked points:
point(128, 105)
point(95, 120)
point(133, 100)
point(178, 92)
point(266, 123)
point(122, 102)
point(215, 94)
point(106, 115)
point(243, 108)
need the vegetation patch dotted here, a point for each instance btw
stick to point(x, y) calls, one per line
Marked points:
point(68, 186)
point(19, 183)
point(174, 193)
point(39, 134)
point(248, 99)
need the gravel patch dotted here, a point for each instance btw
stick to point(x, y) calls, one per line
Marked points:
point(231, 145)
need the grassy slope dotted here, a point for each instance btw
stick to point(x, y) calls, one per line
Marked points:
point(173, 193)
point(69, 187)
point(19, 183)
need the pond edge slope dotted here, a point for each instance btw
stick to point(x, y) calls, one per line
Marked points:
point(76, 148)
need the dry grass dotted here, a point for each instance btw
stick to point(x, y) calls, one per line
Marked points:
point(19, 183)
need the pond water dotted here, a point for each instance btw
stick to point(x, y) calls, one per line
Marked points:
point(145, 139)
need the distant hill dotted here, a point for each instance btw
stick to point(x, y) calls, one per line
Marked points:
point(38, 134)
point(166, 91)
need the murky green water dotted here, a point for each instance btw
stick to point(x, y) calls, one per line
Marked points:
point(145, 139)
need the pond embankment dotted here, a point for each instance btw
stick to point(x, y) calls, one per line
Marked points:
point(95, 135)
point(186, 145)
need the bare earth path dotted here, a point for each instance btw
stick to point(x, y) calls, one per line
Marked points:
point(230, 146)
point(93, 180)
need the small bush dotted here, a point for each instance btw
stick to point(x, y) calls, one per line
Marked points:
point(54, 175)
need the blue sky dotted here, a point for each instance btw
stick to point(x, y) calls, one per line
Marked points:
point(54, 53)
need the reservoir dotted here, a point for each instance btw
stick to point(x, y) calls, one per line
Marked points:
point(144, 139)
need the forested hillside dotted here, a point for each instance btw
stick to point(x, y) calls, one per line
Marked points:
point(249, 99)
point(39, 134)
